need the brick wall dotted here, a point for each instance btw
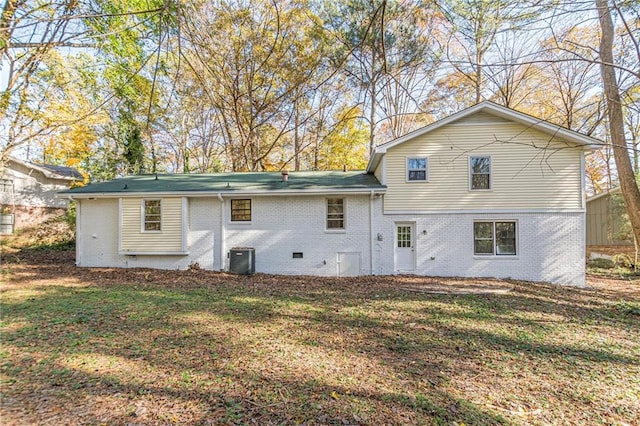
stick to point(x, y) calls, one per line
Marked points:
point(550, 246)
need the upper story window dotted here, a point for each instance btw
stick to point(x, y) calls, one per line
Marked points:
point(6, 185)
point(494, 238)
point(335, 213)
point(152, 215)
point(480, 172)
point(417, 169)
point(241, 210)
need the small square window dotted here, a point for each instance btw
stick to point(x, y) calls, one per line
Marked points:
point(241, 210)
point(152, 215)
point(480, 172)
point(417, 169)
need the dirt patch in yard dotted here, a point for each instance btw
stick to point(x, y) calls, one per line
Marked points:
point(140, 346)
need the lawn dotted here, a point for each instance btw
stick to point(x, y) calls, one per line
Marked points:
point(108, 346)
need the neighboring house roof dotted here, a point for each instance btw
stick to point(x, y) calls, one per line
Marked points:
point(498, 110)
point(613, 190)
point(232, 184)
point(50, 171)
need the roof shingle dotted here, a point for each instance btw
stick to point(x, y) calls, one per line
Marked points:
point(234, 183)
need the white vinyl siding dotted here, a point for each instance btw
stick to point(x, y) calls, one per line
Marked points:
point(133, 238)
point(522, 176)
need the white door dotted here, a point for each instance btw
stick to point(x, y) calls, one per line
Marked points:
point(348, 264)
point(405, 256)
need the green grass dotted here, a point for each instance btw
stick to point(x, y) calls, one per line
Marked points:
point(149, 347)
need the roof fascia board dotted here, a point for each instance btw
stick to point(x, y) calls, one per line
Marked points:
point(603, 194)
point(194, 194)
point(46, 172)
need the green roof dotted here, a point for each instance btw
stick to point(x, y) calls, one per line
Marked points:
point(253, 182)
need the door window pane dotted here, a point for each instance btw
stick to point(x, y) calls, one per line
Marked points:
point(404, 236)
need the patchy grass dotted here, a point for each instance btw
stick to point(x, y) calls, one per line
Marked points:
point(93, 346)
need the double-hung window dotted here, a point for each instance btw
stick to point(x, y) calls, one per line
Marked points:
point(480, 173)
point(494, 238)
point(152, 215)
point(417, 169)
point(241, 210)
point(335, 213)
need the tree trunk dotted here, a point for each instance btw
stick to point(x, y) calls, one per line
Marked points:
point(630, 191)
point(296, 136)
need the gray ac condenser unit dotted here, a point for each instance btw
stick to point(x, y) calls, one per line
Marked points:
point(242, 260)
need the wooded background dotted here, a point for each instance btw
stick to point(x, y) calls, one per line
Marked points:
point(115, 87)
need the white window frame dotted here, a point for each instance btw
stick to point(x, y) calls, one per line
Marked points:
point(494, 239)
point(143, 216)
point(241, 222)
point(344, 215)
point(7, 220)
point(7, 186)
point(409, 170)
point(471, 188)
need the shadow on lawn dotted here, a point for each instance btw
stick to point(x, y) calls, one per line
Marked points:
point(201, 351)
point(140, 326)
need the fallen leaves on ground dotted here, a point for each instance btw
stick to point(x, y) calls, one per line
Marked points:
point(140, 346)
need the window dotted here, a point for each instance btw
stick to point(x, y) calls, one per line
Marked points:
point(152, 215)
point(6, 223)
point(335, 213)
point(6, 185)
point(494, 238)
point(416, 169)
point(480, 170)
point(404, 236)
point(241, 210)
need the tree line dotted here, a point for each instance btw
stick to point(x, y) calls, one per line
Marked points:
point(115, 87)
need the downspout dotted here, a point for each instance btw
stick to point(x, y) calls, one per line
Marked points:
point(371, 233)
point(223, 258)
point(78, 230)
point(583, 204)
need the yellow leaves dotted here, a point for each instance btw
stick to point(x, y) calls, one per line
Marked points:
point(335, 395)
point(347, 144)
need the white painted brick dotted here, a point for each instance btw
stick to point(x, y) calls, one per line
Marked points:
point(551, 246)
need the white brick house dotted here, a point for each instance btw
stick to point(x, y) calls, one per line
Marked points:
point(487, 192)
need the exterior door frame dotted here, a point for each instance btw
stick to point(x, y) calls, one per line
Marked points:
point(397, 263)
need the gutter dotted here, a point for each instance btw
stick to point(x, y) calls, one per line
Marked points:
point(223, 258)
point(371, 200)
point(194, 194)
